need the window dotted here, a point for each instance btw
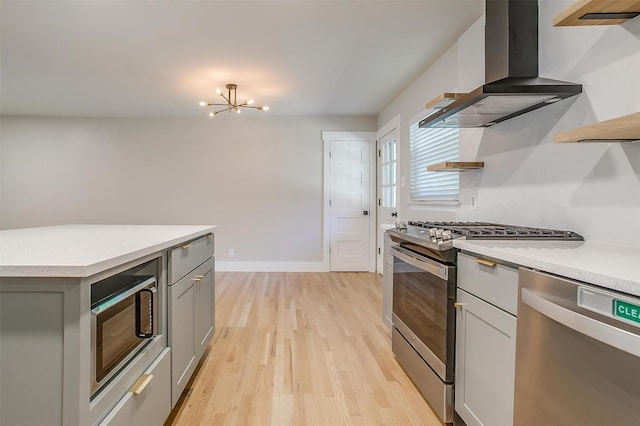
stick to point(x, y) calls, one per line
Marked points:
point(389, 161)
point(430, 146)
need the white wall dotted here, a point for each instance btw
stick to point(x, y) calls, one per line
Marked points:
point(258, 178)
point(593, 189)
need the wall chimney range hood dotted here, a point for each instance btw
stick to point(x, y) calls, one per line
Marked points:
point(511, 69)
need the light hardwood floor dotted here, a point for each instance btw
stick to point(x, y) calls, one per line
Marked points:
point(300, 349)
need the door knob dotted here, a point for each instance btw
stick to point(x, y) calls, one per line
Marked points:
point(394, 214)
point(365, 212)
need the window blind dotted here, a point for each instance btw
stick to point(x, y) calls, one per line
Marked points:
point(426, 147)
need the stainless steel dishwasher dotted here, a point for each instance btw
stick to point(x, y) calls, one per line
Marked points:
point(577, 354)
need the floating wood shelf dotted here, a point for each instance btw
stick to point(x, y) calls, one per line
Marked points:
point(621, 129)
point(443, 100)
point(597, 12)
point(455, 166)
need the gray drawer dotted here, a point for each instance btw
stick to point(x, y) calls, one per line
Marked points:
point(497, 284)
point(188, 256)
point(152, 405)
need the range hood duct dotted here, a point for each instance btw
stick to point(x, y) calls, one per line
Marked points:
point(511, 68)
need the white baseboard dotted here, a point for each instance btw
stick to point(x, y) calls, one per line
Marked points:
point(271, 266)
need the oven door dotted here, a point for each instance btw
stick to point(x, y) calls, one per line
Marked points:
point(120, 327)
point(423, 308)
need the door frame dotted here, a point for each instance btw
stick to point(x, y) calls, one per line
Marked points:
point(390, 126)
point(327, 138)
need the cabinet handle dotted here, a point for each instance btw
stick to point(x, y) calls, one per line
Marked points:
point(140, 384)
point(186, 246)
point(210, 234)
point(485, 262)
point(199, 277)
point(458, 305)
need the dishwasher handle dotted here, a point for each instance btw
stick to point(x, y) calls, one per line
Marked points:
point(423, 263)
point(605, 333)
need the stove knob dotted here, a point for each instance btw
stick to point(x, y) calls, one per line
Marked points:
point(439, 233)
point(446, 235)
point(432, 232)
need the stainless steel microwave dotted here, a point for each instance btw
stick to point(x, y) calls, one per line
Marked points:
point(124, 312)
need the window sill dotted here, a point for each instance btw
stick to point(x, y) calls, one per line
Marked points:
point(435, 205)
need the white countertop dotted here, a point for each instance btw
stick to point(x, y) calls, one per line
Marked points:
point(84, 250)
point(613, 267)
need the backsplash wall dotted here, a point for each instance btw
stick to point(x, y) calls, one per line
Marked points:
point(592, 189)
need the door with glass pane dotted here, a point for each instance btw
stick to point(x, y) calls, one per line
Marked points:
point(387, 186)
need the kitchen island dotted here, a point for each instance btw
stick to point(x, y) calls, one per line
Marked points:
point(46, 278)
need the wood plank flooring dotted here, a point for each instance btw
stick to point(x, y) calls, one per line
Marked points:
point(300, 349)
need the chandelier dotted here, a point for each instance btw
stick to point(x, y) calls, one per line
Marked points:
point(231, 102)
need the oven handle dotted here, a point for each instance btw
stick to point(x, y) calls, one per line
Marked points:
point(423, 263)
point(110, 303)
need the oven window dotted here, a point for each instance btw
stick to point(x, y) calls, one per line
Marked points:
point(115, 336)
point(420, 301)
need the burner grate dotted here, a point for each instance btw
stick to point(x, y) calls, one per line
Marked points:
point(493, 231)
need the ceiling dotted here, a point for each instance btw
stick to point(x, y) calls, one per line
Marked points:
point(160, 58)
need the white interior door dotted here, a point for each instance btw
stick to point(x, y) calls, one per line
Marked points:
point(351, 219)
point(388, 141)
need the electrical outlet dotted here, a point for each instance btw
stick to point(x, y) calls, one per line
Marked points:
point(231, 254)
point(474, 202)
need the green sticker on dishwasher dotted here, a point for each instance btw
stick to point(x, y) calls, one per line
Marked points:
point(626, 310)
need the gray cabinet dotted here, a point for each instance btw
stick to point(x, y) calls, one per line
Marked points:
point(485, 341)
point(205, 309)
point(31, 368)
point(182, 296)
point(191, 309)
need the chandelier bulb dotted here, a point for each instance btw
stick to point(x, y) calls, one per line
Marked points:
point(212, 114)
point(219, 92)
point(250, 102)
point(203, 103)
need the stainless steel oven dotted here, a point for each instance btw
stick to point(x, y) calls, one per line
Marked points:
point(124, 319)
point(424, 325)
point(424, 286)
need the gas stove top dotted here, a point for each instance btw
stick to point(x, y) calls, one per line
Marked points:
point(493, 231)
point(435, 238)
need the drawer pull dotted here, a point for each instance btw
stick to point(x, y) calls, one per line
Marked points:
point(141, 383)
point(210, 235)
point(186, 246)
point(485, 262)
point(199, 277)
point(458, 305)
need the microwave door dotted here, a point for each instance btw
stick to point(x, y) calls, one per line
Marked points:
point(121, 325)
